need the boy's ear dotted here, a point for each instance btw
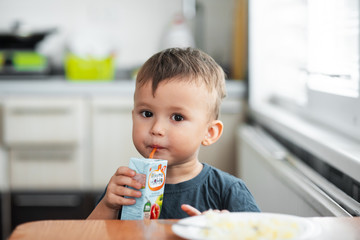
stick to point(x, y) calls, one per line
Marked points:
point(214, 132)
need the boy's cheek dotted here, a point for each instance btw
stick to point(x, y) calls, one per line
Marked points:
point(137, 128)
point(138, 141)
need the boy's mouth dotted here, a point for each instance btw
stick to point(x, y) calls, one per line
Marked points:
point(156, 146)
point(154, 150)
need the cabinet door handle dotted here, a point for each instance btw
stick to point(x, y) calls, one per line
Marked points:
point(65, 151)
point(39, 111)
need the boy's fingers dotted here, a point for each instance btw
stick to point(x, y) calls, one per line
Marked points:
point(217, 211)
point(125, 171)
point(124, 176)
point(125, 181)
point(191, 211)
point(124, 191)
point(116, 201)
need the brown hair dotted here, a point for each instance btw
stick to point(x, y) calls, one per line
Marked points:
point(185, 64)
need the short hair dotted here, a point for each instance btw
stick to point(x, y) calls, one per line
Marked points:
point(186, 64)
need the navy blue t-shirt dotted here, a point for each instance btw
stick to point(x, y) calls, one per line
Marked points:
point(211, 189)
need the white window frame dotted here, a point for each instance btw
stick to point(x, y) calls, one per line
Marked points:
point(325, 124)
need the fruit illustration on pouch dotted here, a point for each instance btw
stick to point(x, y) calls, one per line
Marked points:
point(155, 211)
point(159, 200)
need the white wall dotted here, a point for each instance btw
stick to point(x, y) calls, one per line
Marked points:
point(135, 28)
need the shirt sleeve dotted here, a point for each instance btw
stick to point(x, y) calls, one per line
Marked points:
point(239, 199)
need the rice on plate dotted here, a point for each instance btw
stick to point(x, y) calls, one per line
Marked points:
point(245, 226)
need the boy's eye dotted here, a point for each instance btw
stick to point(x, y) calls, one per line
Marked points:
point(177, 117)
point(146, 114)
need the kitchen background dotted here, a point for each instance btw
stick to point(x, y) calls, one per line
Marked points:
point(291, 115)
point(132, 31)
point(66, 85)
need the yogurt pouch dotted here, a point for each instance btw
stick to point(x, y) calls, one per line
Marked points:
point(151, 173)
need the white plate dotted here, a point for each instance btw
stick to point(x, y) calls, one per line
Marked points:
point(190, 228)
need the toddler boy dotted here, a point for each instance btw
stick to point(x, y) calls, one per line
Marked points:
point(176, 108)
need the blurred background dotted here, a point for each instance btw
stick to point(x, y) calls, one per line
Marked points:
point(67, 71)
point(127, 31)
point(291, 114)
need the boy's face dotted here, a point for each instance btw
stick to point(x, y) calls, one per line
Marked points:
point(175, 121)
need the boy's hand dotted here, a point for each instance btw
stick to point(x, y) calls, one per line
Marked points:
point(117, 190)
point(114, 199)
point(191, 211)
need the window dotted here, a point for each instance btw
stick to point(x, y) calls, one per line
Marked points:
point(305, 54)
point(333, 52)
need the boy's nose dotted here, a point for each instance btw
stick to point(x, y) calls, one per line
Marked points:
point(157, 128)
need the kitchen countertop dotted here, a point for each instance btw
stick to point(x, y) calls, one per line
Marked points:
point(60, 86)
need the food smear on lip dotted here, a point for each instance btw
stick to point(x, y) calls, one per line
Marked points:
point(152, 153)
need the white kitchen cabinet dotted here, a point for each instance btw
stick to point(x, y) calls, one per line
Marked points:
point(42, 121)
point(45, 142)
point(62, 136)
point(112, 144)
